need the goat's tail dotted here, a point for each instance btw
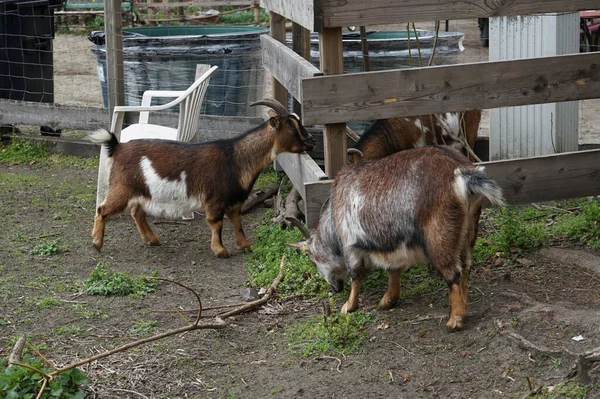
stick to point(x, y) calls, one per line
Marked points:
point(106, 138)
point(470, 182)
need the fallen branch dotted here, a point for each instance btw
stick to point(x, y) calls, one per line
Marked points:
point(278, 206)
point(17, 351)
point(259, 197)
point(291, 207)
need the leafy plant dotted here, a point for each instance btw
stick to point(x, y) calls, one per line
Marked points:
point(48, 248)
point(143, 326)
point(339, 333)
point(105, 281)
point(73, 329)
point(47, 302)
point(243, 17)
point(21, 151)
point(21, 383)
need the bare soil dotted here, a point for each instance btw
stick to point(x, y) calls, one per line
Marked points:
point(547, 297)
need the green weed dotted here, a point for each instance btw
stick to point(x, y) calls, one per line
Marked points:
point(21, 151)
point(142, 327)
point(243, 17)
point(570, 390)
point(48, 248)
point(73, 329)
point(20, 382)
point(47, 302)
point(105, 281)
point(301, 276)
point(338, 333)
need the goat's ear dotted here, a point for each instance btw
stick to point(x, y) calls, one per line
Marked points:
point(301, 246)
point(275, 122)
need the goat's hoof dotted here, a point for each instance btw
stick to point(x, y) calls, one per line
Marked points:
point(97, 245)
point(387, 303)
point(348, 308)
point(455, 323)
point(154, 243)
point(222, 253)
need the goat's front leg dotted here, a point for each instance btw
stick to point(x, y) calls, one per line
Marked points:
point(352, 303)
point(392, 294)
point(235, 215)
point(139, 215)
point(215, 222)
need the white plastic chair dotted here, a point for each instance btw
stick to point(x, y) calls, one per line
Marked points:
point(189, 101)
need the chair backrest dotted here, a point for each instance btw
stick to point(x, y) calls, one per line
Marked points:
point(189, 108)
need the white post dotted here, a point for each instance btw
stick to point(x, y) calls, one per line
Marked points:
point(539, 129)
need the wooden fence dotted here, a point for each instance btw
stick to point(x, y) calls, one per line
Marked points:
point(331, 98)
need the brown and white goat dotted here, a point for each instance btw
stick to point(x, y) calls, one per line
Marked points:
point(171, 179)
point(415, 206)
point(388, 136)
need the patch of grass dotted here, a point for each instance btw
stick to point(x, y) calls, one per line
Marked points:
point(20, 382)
point(143, 326)
point(47, 302)
point(570, 390)
point(301, 276)
point(48, 248)
point(338, 333)
point(419, 280)
point(105, 281)
point(72, 329)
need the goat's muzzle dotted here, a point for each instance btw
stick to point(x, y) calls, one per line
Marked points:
point(338, 286)
point(309, 142)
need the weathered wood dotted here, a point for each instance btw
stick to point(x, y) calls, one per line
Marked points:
point(301, 46)
point(547, 178)
point(91, 118)
point(115, 75)
point(337, 13)
point(417, 91)
point(278, 34)
point(332, 62)
point(286, 66)
point(526, 180)
point(316, 195)
point(258, 197)
point(301, 169)
point(303, 12)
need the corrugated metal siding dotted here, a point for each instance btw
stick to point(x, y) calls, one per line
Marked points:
point(539, 129)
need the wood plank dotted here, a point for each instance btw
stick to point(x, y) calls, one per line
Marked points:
point(302, 12)
point(278, 34)
point(483, 85)
point(301, 169)
point(334, 135)
point(301, 46)
point(286, 66)
point(92, 118)
point(547, 178)
point(317, 193)
point(337, 13)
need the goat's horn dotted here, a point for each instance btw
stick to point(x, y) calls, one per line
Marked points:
point(355, 151)
point(299, 225)
point(274, 104)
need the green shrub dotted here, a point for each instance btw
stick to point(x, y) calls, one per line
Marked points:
point(105, 281)
point(48, 248)
point(21, 383)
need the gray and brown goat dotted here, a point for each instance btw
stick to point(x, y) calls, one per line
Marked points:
point(416, 206)
point(172, 179)
point(384, 137)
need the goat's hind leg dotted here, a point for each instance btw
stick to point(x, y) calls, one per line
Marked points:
point(139, 215)
point(110, 206)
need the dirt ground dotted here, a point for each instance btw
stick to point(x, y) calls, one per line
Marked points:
point(547, 298)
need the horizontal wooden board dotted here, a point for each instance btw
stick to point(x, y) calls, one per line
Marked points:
point(301, 169)
point(523, 181)
point(286, 66)
point(301, 12)
point(547, 178)
point(91, 118)
point(416, 91)
point(338, 13)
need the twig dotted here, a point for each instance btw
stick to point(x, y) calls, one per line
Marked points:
point(40, 372)
point(261, 301)
point(332, 358)
point(15, 354)
point(48, 362)
point(182, 316)
point(418, 44)
point(189, 289)
point(128, 391)
point(44, 383)
point(352, 134)
point(435, 40)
